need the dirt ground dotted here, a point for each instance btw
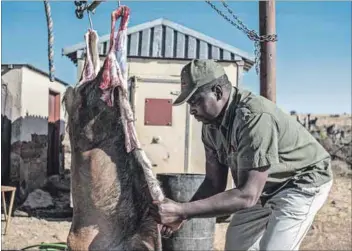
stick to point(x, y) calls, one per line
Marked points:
point(331, 229)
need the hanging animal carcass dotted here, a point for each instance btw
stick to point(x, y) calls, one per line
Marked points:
point(112, 183)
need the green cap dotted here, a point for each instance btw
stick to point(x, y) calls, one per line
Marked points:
point(195, 74)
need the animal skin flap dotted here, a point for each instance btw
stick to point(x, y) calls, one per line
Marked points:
point(114, 75)
point(92, 62)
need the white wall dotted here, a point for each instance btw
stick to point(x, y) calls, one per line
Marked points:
point(35, 103)
point(11, 104)
point(25, 101)
point(11, 93)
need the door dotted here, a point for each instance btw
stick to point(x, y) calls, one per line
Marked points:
point(5, 149)
point(53, 165)
point(163, 136)
point(5, 137)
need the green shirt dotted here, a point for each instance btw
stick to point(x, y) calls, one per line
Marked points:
point(255, 133)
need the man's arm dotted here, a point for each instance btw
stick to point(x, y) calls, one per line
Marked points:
point(214, 182)
point(215, 175)
point(230, 201)
point(257, 151)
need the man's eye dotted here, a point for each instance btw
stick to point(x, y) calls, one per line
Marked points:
point(197, 101)
point(194, 101)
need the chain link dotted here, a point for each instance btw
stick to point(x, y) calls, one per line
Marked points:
point(251, 34)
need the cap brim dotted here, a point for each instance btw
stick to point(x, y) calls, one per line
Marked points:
point(184, 96)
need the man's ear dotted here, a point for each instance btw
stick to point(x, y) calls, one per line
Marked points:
point(219, 92)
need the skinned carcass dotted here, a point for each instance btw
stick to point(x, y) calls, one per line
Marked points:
point(112, 183)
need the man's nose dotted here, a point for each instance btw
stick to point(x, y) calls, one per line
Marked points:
point(192, 110)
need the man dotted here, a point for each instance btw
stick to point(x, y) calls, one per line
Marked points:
point(282, 174)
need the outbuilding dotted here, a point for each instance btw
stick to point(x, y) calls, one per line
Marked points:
point(32, 126)
point(157, 51)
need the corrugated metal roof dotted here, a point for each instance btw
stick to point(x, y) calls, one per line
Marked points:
point(162, 38)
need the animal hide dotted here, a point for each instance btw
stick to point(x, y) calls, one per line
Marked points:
point(113, 75)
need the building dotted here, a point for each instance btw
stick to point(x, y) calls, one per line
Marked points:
point(157, 51)
point(32, 122)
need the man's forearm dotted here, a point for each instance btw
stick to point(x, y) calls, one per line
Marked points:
point(205, 190)
point(224, 203)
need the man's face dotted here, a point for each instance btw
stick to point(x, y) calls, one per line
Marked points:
point(205, 106)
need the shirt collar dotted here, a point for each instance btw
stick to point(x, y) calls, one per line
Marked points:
point(225, 120)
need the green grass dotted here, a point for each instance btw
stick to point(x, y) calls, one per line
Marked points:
point(48, 246)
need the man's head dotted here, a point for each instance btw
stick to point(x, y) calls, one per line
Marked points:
point(206, 88)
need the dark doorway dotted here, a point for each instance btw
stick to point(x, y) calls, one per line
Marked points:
point(53, 166)
point(5, 136)
point(5, 149)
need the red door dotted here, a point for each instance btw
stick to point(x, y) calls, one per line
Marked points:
point(53, 165)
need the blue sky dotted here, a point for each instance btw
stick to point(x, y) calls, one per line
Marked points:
point(313, 51)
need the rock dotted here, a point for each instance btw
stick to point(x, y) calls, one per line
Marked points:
point(341, 168)
point(38, 199)
point(57, 183)
point(18, 213)
point(54, 178)
point(62, 202)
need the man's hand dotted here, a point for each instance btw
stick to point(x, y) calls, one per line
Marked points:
point(169, 214)
point(166, 231)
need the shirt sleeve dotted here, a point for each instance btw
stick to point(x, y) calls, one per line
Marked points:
point(257, 137)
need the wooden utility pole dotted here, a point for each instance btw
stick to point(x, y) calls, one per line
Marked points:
point(268, 50)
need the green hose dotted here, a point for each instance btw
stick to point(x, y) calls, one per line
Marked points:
point(49, 246)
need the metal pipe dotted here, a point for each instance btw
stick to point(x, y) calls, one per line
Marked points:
point(268, 50)
point(187, 156)
point(133, 95)
point(93, 6)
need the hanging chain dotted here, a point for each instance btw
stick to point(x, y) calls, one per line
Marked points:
point(251, 34)
point(81, 6)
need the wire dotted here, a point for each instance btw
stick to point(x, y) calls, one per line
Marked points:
point(90, 20)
